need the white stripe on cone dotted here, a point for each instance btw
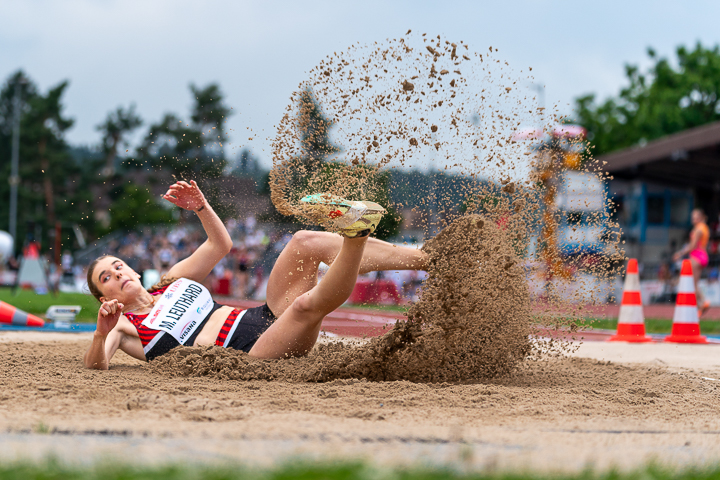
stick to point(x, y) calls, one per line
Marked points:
point(631, 320)
point(631, 314)
point(686, 321)
point(686, 284)
point(685, 314)
point(632, 283)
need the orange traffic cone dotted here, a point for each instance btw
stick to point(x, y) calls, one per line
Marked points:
point(631, 321)
point(15, 316)
point(686, 321)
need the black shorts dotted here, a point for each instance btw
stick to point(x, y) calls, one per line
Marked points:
point(251, 325)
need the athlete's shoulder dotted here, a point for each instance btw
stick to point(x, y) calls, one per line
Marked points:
point(158, 291)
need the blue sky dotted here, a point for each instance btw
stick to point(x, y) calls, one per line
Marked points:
point(147, 52)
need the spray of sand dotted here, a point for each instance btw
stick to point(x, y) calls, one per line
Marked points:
point(472, 322)
point(431, 104)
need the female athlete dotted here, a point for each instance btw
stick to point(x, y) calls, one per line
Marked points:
point(697, 248)
point(180, 311)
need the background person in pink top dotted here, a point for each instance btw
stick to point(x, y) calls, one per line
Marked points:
point(697, 250)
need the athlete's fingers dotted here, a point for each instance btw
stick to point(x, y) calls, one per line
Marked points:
point(105, 309)
point(178, 190)
point(172, 193)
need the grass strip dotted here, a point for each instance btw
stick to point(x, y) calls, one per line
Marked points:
point(54, 470)
point(31, 302)
point(655, 325)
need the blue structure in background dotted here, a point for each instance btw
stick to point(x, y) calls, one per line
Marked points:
point(657, 184)
point(654, 218)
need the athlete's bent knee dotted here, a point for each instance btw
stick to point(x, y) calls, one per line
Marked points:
point(304, 311)
point(306, 241)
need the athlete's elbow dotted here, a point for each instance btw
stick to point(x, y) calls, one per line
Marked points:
point(226, 245)
point(92, 364)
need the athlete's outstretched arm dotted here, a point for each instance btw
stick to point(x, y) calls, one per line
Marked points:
point(113, 331)
point(198, 265)
point(106, 338)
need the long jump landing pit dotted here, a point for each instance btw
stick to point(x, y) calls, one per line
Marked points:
point(555, 415)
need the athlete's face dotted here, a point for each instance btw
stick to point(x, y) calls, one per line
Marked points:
point(697, 217)
point(116, 280)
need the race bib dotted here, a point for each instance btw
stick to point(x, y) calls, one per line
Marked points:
point(180, 310)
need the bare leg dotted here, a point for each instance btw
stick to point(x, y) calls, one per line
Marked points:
point(697, 271)
point(297, 328)
point(295, 271)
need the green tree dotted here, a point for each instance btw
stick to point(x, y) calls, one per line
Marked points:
point(44, 125)
point(314, 128)
point(48, 187)
point(136, 206)
point(88, 161)
point(247, 165)
point(208, 115)
point(662, 100)
point(189, 149)
point(391, 222)
point(114, 129)
point(26, 196)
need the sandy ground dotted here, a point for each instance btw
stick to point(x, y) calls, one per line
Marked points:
point(611, 404)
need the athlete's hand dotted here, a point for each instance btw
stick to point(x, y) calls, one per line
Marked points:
point(108, 316)
point(185, 195)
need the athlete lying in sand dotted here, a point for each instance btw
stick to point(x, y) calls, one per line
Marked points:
point(180, 311)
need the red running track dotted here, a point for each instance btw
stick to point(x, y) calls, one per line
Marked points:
point(346, 321)
point(357, 322)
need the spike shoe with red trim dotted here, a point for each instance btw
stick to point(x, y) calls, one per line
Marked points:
point(349, 218)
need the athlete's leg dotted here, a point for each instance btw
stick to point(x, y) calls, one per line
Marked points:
point(295, 271)
point(380, 255)
point(297, 328)
point(697, 270)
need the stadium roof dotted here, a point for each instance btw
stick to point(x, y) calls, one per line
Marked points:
point(688, 158)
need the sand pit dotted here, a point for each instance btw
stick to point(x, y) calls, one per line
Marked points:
point(561, 414)
point(464, 381)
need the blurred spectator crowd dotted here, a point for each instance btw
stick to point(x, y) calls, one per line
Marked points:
point(242, 274)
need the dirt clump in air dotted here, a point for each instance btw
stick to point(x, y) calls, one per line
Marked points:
point(497, 280)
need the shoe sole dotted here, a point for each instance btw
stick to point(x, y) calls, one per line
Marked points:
point(325, 214)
